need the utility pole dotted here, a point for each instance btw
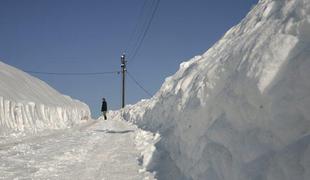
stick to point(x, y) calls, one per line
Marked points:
point(123, 66)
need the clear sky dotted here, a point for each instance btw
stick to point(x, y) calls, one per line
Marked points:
point(90, 36)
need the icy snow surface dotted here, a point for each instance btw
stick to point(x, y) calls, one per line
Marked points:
point(28, 104)
point(240, 111)
point(97, 150)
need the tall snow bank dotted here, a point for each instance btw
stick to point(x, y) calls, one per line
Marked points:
point(29, 104)
point(240, 111)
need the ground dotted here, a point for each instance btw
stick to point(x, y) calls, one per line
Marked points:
point(97, 150)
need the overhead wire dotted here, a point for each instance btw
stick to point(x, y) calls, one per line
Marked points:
point(146, 27)
point(144, 16)
point(140, 31)
point(72, 73)
point(140, 37)
point(135, 31)
point(138, 84)
point(143, 35)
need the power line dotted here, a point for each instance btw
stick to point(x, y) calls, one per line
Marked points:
point(138, 84)
point(143, 35)
point(73, 73)
point(143, 19)
point(136, 29)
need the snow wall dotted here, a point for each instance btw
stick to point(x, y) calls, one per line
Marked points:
point(28, 104)
point(240, 111)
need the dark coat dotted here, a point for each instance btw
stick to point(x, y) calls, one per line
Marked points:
point(104, 106)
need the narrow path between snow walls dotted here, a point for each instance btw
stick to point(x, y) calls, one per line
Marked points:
point(240, 111)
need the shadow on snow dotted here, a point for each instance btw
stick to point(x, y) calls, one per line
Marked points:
point(113, 131)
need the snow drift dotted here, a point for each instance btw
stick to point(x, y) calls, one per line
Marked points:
point(240, 111)
point(29, 104)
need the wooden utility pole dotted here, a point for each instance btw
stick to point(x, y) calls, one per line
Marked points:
point(123, 66)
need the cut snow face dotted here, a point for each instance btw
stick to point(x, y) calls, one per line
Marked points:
point(29, 104)
point(240, 111)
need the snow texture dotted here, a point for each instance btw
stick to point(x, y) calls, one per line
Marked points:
point(96, 150)
point(240, 111)
point(27, 104)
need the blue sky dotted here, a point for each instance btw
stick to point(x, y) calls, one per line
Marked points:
point(90, 36)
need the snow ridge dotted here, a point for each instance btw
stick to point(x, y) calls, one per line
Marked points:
point(240, 111)
point(27, 104)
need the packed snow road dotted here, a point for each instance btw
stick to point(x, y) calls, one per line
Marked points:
point(101, 150)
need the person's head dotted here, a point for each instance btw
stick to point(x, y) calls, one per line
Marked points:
point(103, 99)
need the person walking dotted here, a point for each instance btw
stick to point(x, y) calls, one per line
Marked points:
point(104, 108)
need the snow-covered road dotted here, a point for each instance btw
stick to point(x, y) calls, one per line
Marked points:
point(102, 150)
